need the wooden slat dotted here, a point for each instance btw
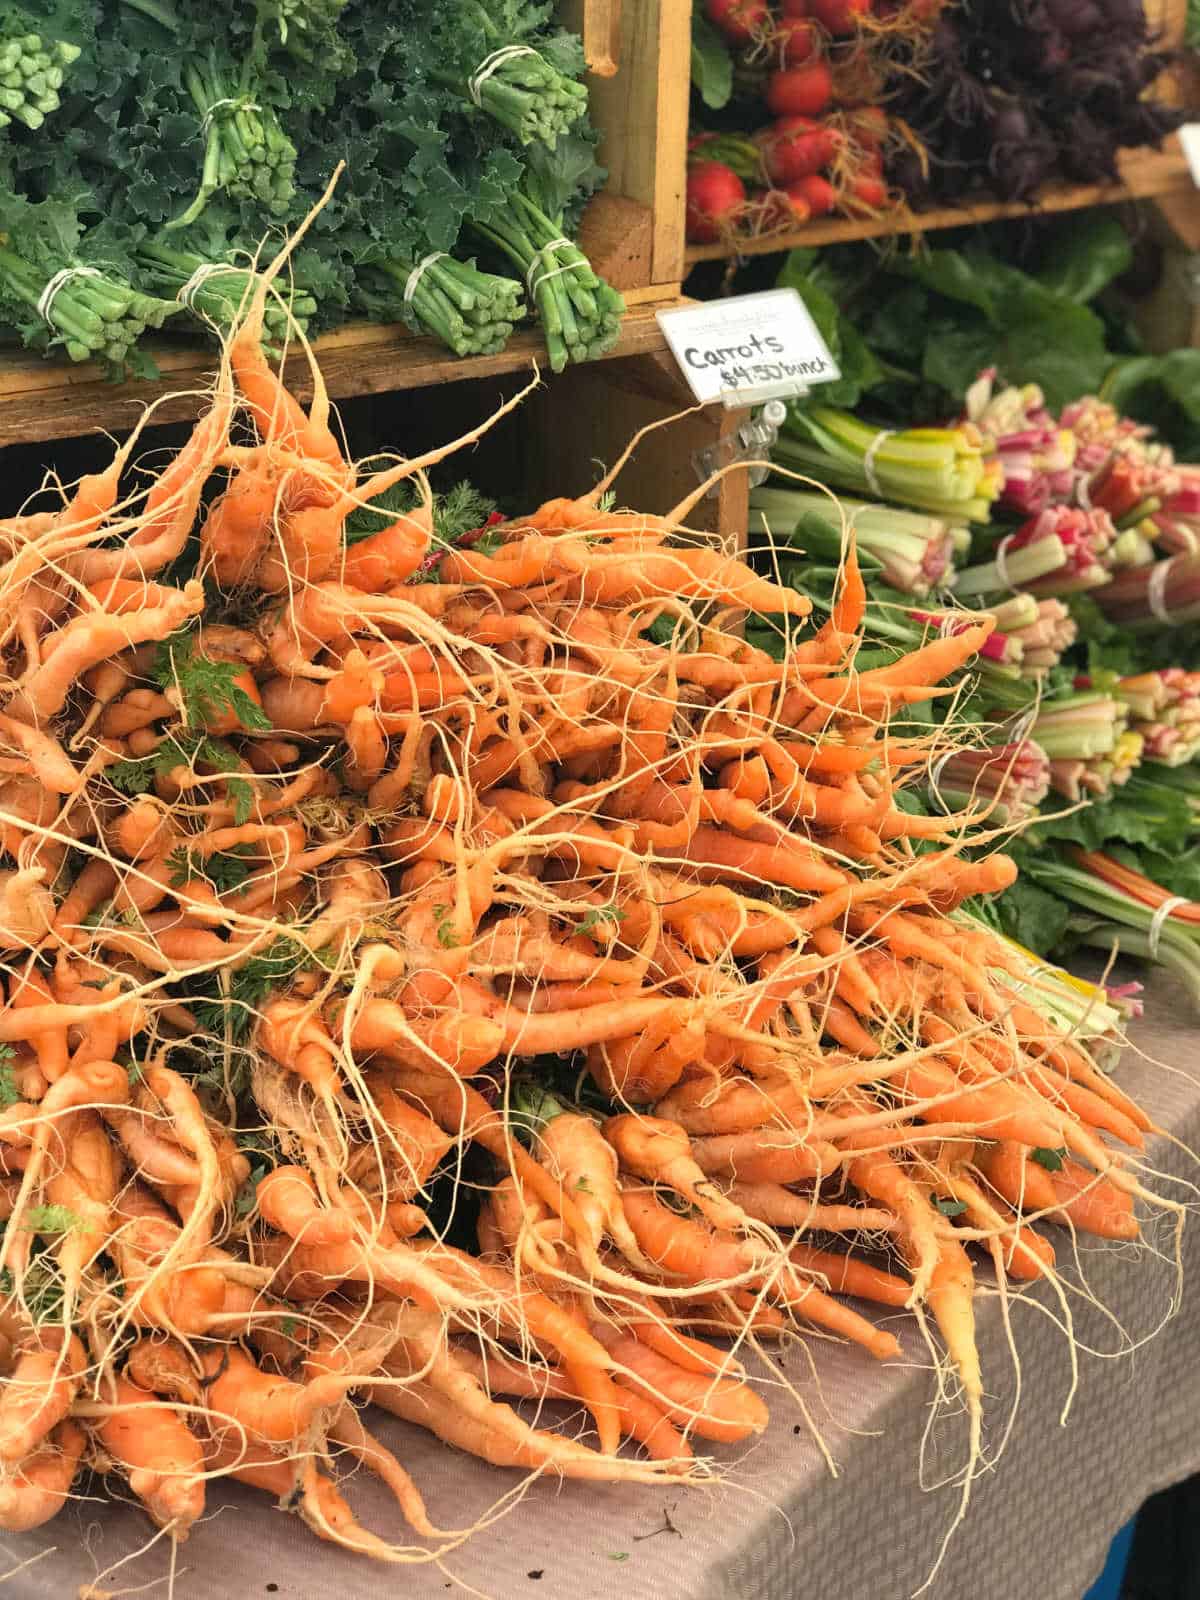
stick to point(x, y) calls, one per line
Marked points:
point(598, 23)
point(1168, 19)
point(42, 399)
point(617, 237)
point(1146, 174)
point(643, 114)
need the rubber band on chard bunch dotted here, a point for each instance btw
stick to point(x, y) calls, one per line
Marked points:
point(472, 312)
point(33, 68)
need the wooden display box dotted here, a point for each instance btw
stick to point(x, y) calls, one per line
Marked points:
point(638, 54)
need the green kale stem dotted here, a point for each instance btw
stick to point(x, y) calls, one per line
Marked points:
point(246, 151)
point(92, 316)
point(221, 295)
point(579, 312)
point(470, 311)
point(31, 74)
point(525, 93)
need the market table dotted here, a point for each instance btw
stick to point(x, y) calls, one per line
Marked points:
point(779, 1525)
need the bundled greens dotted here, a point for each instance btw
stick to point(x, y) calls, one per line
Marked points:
point(194, 132)
point(33, 68)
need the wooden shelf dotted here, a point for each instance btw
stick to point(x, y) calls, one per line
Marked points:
point(49, 399)
point(1146, 174)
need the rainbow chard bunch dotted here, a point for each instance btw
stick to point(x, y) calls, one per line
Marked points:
point(1062, 550)
point(1036, 453)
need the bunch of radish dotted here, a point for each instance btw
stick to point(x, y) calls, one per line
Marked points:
point(820, 69)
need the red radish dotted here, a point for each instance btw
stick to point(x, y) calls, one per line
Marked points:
point(865, 193)
point(787, 206)
point(869, 122)
point(800, 91)
point(839, 16)
point(867, 126)
point(870, 164)
point(741, 21)
point(794, 8)
point(817, 193)
point(795, 147)
point(797, 41)
point(715, 196)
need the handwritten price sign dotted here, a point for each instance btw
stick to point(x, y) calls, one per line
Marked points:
point(749, 348)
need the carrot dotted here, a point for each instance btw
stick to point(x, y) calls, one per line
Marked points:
point(577, 1153)
point(416, 1142)
point(846, 1275)
point(460, 1109)
point(712, 1407)
point(1066, 1057)
point(994, 1106)
point(37, 1488)
point(796, 867)
point(539, 1316)
point(884, 1179)
point(685, 1248)
point(298, 1485)
point(659, 1151)
point(799, 1294)
point(289, 1032)
point(269, 1408)
point(1093, 1203)
point(711, 1106)
point(458, 1411)
point(1068, 1095)
point(840, 1023)
point(771, 1202)
point(50, 1040)
point(951, 1299)
point(1023, 1183)
point(38, 1392)
point(1024, 1253)
point(918, 672)
point(643, 1067)
point(287, 1200)
point(766, 1156)
point(163, 1461)
point(563, 1031)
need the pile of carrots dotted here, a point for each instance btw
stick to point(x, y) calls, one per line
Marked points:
point(336, 875)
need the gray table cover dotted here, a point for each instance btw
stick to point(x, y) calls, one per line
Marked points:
point(779, 1525)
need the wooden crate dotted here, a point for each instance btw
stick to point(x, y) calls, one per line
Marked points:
point(1168, 19)
point(1162, 176)
point(1159, 175)
point(52, 399)
point(637, 52)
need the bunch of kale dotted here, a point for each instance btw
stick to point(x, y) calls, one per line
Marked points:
point(190, 136)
